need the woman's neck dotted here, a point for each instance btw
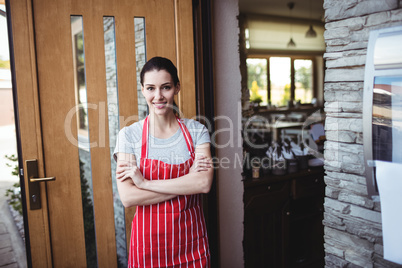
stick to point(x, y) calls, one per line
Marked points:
point(162, 126)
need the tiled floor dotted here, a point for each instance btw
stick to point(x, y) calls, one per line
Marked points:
point(12, 248)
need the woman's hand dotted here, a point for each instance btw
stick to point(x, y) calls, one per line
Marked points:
point(201, 163)
point(129, 170)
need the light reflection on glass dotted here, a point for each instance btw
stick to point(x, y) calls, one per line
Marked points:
point(77, 36)
point(113, 117)
point(387, 118)
point(387, 52)
point(140, 58)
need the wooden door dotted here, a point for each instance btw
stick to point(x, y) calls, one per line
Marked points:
point(76, 64)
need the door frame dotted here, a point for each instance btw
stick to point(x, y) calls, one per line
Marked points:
point(23, 64)
point(18, 135)
point(202, 23)
point(23, 45)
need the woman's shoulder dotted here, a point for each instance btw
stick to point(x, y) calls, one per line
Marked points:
point(198, 131)
point(135, 125)
point(195, 127)
point(192, 124)
point(133, 130)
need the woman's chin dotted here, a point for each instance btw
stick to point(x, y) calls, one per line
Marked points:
point(162, 111)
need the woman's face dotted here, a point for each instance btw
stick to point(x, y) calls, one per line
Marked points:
point(159, 90)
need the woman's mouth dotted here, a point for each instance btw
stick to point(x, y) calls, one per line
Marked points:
point(159, 105)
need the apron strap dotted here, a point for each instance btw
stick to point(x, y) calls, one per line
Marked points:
point(187, 137)
point(184, 130)
point(144, 144)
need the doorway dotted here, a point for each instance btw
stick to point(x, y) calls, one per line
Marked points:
point(76, 68)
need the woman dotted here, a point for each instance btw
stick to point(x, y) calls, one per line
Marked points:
point(163, 165)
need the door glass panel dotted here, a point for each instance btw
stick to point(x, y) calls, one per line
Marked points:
point(113, 118)
point(303, 80)
point(77, 35)
point(279, 75)
point(140, 58)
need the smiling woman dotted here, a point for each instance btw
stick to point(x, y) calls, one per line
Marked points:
point(163, 167)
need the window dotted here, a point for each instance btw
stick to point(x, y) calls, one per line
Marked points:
point(277, 80)
point(303, 80)
point(257, 80)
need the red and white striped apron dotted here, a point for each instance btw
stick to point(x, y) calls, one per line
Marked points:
point(171, 233)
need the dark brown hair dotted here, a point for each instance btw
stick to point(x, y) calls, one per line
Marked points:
point(160, 63)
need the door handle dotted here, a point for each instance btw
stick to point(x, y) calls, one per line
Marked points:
point(42, 179)
point(33, 183)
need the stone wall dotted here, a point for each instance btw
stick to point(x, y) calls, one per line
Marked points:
point(245, 92)
point(353, 234)
point(113, 123)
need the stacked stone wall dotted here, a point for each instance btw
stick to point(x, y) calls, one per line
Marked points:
point(352, 219)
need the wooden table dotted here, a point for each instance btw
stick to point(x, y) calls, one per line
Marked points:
point(279, 125)
point(274, 128)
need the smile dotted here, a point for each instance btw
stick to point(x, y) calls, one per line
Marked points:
point(159, 105)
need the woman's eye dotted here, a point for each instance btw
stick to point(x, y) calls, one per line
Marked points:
point(167, 87)
point(150, 88)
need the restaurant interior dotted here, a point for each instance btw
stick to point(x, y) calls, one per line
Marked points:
point(282, 66)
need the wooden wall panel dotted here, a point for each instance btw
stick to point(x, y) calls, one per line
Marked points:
point(99, 134)
point(185, 56)
point(57, 99)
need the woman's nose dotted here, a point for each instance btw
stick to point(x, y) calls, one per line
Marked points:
point(158, 94)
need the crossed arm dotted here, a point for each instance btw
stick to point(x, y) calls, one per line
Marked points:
point(135, 190)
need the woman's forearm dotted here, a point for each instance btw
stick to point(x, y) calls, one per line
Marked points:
point(135, 190)
point(130, 195)
point(192, 183)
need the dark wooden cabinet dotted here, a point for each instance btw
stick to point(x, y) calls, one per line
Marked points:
point(306, 215)
point(266, 221)
point(283, 220)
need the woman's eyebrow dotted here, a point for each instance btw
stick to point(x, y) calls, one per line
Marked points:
point(164, 84)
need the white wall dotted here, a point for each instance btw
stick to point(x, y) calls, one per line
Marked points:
point(228, 119)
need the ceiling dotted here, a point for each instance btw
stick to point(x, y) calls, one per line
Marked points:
point(280, 8)
point(271, 24)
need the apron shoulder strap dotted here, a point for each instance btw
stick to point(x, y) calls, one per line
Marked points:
point(144, 144)
point(187, 137)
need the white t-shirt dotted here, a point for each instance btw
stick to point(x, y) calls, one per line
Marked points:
point(172, 150)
